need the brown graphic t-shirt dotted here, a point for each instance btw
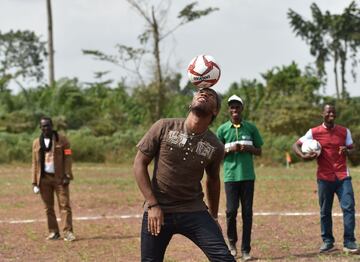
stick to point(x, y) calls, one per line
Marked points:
point(180, 160)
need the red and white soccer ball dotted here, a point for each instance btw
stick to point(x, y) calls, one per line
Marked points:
point(311, 145)
point(203, 71)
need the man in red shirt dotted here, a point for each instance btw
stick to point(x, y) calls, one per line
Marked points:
point(333, 177)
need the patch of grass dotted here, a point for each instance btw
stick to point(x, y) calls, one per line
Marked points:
point(119, 183)
point(30, 234)
point(4, 206)
point(44, 248)
point(4, 247)
point(102, 189)
point(285, 246)
point(19, 205)
point(84, 255)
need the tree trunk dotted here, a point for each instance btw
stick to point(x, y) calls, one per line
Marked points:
point(343, 71)
point(50, 44)
point(158, 73)
point(336, 76)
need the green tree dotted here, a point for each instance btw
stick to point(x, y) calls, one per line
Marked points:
point(22, 54)
point(285, 105)
point(154, 33)
point(290, 103)
point(330, 36)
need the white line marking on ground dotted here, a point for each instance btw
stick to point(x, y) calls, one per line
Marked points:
point(28, 221)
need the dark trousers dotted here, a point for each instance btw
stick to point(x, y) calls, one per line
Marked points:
point(344, 191)
point(199, 227)
point(236, 193)
point(50, 185)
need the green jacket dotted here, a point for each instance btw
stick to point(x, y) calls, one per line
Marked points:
point(239, 166)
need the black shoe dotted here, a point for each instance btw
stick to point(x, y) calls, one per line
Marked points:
point(326, 247)
point(351, 247)
point(53, 236)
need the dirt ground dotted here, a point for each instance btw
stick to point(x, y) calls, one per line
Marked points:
point(100, 192)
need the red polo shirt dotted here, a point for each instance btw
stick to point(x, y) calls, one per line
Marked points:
point(331, 164)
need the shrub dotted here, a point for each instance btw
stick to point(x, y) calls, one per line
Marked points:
point(86, 147)
point(275, 148)
point(122, 145)
point(15, 147)
point(119, 147)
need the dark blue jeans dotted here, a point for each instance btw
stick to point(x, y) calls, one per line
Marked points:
point(344, 191)
point(199, 227)
point(236, 192)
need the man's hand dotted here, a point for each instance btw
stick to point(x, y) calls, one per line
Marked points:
point(245, 148)
point(309, 156)
point(36, 189)
point(233, 148)
point(343, 150)
point(155, 220)
point(250, 149)
point(66, 181)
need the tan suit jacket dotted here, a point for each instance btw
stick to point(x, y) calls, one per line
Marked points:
point(62, 159)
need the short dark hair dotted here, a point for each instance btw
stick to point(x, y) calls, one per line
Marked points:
point(46, 118)
point(328, 104)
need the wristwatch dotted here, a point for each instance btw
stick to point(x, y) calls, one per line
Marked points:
point(154, 205)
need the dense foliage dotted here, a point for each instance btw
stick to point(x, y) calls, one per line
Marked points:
point(105, 122)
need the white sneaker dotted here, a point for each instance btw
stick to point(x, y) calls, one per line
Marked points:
point(53, 236)
point(245, 256)
point(233, 250)
point(69, 236)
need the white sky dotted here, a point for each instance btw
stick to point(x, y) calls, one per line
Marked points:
point(246, 37)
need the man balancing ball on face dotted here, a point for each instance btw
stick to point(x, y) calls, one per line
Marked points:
point(182, 149)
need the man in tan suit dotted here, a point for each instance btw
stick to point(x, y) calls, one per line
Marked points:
point(51, 173)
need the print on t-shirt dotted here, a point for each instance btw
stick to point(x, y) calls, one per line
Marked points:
point(179, 139)
point(205, 149)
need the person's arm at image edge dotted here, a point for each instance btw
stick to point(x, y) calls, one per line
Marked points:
point(142, 177)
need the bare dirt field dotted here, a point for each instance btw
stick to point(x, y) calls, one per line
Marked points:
point(107, 214)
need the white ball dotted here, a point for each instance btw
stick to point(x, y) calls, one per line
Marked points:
point(36, 189)
point(203, 71)
point(311, 145)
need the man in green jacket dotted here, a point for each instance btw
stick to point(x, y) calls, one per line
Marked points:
point(242, 140)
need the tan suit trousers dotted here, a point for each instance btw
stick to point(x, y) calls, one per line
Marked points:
point(48, 186)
